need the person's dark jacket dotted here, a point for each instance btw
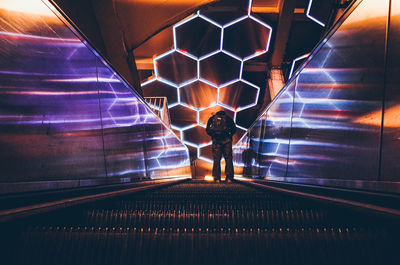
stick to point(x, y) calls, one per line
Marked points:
point(231, 127)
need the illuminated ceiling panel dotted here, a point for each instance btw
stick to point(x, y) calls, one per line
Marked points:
point(210, 69)
point(206, 40)
point(157, 88)
point(239, 95)
point(205, 67)
point(206, 94)
point(175, 67)
point(182, 117)
point(247, 37)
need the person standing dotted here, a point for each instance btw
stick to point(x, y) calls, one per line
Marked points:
point(221, 128)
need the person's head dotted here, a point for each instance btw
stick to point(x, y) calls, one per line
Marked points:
point(221, 113)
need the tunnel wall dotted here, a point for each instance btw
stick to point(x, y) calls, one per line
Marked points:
point(337, 120)
point(67, 119)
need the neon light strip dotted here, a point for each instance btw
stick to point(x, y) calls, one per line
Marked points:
point(294, 62)
point(222, 39)
point(240, 127)
point(209, 55)
point(311, 17)
point(249, 7)
point(200, 16)
point(181, 23)
point(183, 128)
point(148, 81)
point(235, 21)
point(209, 20)
point(226, 106)
point(232, 55)
point(203, 158)
point(256, 20)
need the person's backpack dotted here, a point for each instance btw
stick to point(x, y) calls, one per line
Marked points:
point(219, 126)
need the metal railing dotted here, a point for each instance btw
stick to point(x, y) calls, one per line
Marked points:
point(160, 107)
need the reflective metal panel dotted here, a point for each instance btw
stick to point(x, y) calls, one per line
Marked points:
point(274, 143)
point(335, 132)
point(66, 118)
point(239, 156)
point(50, 125)
point(332, 135)
point(123, 133)
point(390, 168)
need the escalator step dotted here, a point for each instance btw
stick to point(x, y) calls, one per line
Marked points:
point(202, 223)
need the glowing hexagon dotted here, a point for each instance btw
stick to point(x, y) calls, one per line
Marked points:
point(220, 69)
point(205, 114)
point(182, 117)
point(196, 135)
point(247, 37)
point(319, 10)
point(156, 88)
point(239, 95)
point(207, 37)
point(198, 94)
point(203, 73)
point(242, 119)
point(175, 67)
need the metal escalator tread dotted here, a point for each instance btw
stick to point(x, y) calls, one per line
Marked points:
point(202, 223)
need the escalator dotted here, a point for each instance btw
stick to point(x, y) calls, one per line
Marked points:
point(198, 222)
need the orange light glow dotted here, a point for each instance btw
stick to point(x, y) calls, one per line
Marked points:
point(168, 2)
point(26, 6)
point(364, 11)
point(209, 178)
point(392, 118)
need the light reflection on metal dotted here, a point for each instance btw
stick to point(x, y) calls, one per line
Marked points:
point(208, 178)
point(28, 8)
point(67, 116)
point(324, 127)
point(203, 79)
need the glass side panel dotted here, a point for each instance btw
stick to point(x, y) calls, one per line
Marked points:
point(274, 147)
point(391, 132)
point(337, 92)
point(336, 130)
point(66, 118)
point(123, 131)
point(50, 125)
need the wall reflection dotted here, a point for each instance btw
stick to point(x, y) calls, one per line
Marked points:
point(66, 119)
point(325, 127)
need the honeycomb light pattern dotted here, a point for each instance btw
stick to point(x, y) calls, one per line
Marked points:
point(204, 69)
point(232, 69)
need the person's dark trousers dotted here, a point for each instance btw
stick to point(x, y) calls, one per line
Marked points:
point(224, 148)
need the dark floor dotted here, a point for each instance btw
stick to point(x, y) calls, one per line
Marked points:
point(202, 223)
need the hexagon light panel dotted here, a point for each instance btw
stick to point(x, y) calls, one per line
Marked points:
point(202, 74)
